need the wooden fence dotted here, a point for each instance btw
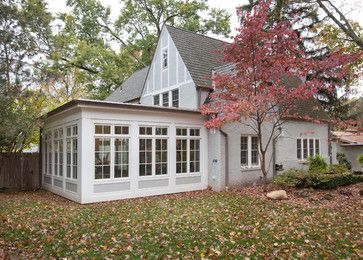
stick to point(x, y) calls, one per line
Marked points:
point(20, 171)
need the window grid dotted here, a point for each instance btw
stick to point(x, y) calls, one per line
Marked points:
point(306, 147)
point(165, 100)
point(249, 151)
point(153, 150)
point(102, 158)
point(175, 98)
point(121, 164)
point(111, 151)
point(187, 150)
point(72, 152)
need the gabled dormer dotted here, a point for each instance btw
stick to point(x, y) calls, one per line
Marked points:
point(179, 74)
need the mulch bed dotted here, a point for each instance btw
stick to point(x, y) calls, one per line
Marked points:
point(349, 196)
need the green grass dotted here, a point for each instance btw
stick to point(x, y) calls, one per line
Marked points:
point(195, 225)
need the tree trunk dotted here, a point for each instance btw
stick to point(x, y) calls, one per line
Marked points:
point(264, 172)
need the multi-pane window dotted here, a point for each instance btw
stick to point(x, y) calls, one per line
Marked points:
point(165, 99)
point(187, 150)
point(244, 151)
point(111, 151)
point(153, 151)
point(157, 100)
point(175, 98)
point(72, 152)
point(102, 158)
point(254, 151)
point(165, 58)
point(58, 152)
point(306, 147)
point(48, 153)
point(249, 151)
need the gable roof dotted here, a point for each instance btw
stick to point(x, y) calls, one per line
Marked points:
point(200, 53)
point(131, 89)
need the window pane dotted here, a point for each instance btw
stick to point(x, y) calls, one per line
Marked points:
point(305, 148)
point(157, 100)
point(107, 129)
point(311, 147)
point(244, 150)
point(166, 99)
point(118, 130)
point(165, 58)
point(298, 148)
point(175, 97)
point(125, 130)
point(317, 146)
point(98, 129)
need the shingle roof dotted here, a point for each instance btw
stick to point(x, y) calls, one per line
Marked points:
point(131, 89)
point(349, 138)
point(200, 53)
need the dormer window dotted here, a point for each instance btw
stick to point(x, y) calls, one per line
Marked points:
point(165, 58)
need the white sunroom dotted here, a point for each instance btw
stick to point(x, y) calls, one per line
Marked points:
point(98, 151)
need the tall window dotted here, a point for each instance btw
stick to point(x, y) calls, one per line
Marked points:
point(153, 151)
point(165, 58)
point(157, 100)
point(58, 152)
point(306, 147)
point(249, 151)
point(187, 150)
point(175, 98)
point(121, 144)
point(48, 153)
point(165, 99)
point(72, 151)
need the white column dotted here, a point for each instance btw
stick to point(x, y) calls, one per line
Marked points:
point(86, 159)
point(134, 156)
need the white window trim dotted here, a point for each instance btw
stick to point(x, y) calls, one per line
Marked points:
point(112, 136)
point(162, 58)
point(170, 98)
point(71, 137)
point(153, 137)
point(249, 154)
point(308, 148)
point(188, 137)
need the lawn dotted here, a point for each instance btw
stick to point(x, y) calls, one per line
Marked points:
point(192, 225)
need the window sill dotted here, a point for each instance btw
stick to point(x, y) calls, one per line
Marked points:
point(71, 180)
point(254, 168)
point(188, 174)
point(153, 177)
point(114, 180)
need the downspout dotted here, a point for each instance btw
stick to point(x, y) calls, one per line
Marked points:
point(226, 176)
point(330, 146)
point(274, 156)
point(40, 157)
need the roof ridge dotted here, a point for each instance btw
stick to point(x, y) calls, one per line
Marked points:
point(195, 33)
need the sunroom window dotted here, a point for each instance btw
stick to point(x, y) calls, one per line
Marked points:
point(153, 150)
point(111, 151)
point(187, 150)
point(72, 151)
point(306, 147)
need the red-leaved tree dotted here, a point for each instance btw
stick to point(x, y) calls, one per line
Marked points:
point(258, 92)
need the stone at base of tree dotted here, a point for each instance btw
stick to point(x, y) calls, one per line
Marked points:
point(277, 195)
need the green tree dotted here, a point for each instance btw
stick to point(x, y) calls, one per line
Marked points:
point(105, 52)
point(24, 28)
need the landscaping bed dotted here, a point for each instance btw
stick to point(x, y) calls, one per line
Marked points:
point(240, 223)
